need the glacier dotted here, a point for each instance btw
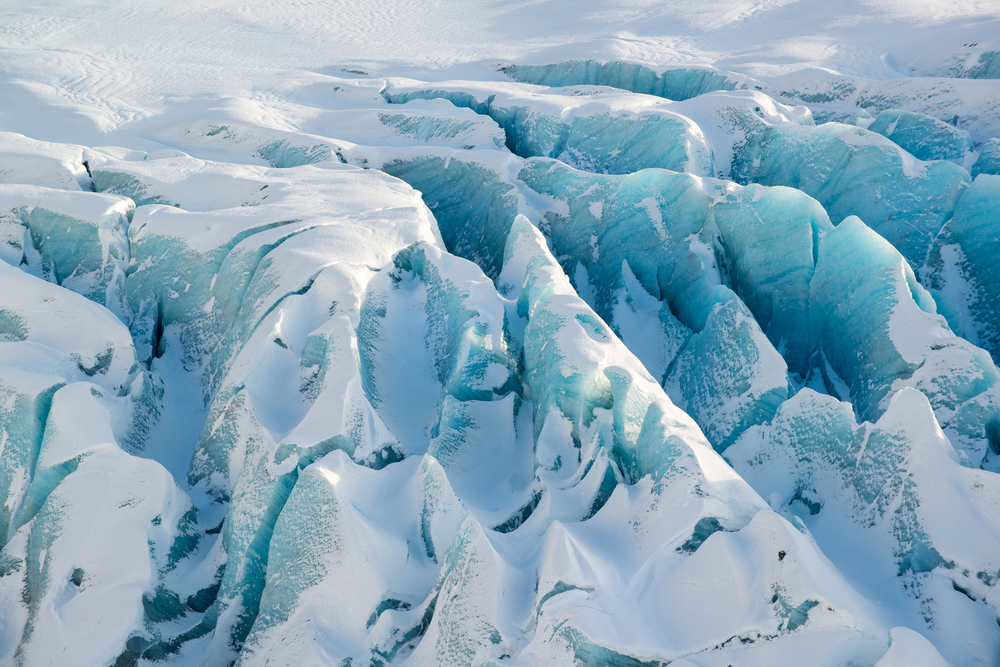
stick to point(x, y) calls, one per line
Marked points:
point(624, 338)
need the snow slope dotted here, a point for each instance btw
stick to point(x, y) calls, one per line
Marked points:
point(621, 333)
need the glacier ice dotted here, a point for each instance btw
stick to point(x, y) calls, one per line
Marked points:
point(923, 136)
point(28, 161)
point(882, 471)
point(592, 129)
point(988, 160)
point(844, 168)
point(675, 84)
point(70, 238)
point(902, 342)
point(87, 604)
point(963, 271)
point(76, 407)
point(608, 365)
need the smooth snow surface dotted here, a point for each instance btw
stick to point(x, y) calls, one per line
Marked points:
point(471, 333)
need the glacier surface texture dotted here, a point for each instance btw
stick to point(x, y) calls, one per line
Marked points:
point(531, 346)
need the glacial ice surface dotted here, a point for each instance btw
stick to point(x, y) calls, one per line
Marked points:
point(584, 363)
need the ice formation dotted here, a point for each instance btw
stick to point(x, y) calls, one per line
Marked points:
point(570, 361)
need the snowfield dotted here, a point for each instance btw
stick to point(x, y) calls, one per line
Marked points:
point(613, 334)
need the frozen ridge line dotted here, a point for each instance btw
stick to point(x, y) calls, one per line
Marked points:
point(595, 364)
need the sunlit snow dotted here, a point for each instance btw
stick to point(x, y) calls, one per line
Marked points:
point(614, 334)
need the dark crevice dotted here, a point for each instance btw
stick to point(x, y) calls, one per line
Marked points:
point(133, 651)
point(200, 602)
point(963, 591)
point(391, 603)
point(520, 516)
point(560, 588)
point(89, 183)
point(609, 482)
point(993, 434)
point(162, 605)
point(814, 507)
point(253, 568)
point(384, 456)
point(705, 528)
point(158, 345)
point(299, 292)
point(409, 637)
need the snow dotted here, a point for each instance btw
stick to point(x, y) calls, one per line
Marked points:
point(478, 333)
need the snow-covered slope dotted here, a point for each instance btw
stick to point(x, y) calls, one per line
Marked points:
point(621, 334)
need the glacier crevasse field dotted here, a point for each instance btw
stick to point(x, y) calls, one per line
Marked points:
point(545, 348)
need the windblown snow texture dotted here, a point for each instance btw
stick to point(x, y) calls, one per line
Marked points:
point(582, 364)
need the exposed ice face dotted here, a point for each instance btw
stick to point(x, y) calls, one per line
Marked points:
point(76, 402)
point(852, 171)
point(73, 239)
point(923, 136)
point(592, 129)
point(963, 275)
point(988, 160)
point(444, 373)
point(892, 478)
point(674, 84)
